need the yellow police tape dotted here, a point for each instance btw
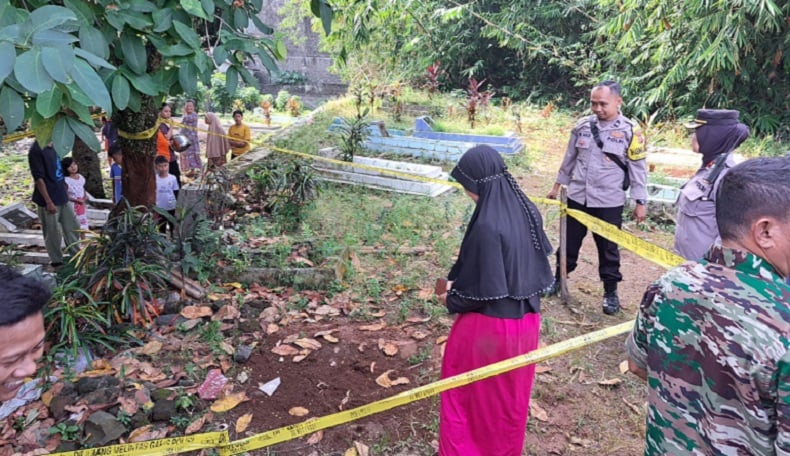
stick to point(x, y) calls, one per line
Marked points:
point(221, 441)
point(145, 134)
point(301, 429)
point(28, 133)
point(642, 248)
point(174, 445)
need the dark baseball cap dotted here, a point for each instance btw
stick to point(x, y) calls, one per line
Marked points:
point(714, 117)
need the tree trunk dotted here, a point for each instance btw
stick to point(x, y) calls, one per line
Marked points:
point(138, 179)
point(89, 163)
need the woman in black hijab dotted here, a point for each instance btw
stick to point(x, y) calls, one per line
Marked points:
point(495, 287)
point(716, 133)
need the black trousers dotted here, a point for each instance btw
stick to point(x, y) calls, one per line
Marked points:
point(176, 171)
point(608, 251)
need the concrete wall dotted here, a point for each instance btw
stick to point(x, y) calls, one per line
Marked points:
point(304, 58)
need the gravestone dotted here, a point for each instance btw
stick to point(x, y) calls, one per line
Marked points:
point(16, 217)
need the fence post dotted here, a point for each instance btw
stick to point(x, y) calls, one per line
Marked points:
point(564, 294)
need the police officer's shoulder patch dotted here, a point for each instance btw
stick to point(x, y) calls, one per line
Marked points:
point(584, 122)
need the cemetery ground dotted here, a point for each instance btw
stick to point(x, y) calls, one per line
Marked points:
point(363, 325)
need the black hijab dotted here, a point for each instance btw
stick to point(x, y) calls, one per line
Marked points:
point(720, 135)
point(505, 250)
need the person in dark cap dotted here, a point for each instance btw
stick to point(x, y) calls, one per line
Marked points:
point(495, 288)
point(715, 134)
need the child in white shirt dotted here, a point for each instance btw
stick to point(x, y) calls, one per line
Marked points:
point(166, 188)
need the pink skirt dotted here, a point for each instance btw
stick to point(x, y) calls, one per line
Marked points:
point(488, 417)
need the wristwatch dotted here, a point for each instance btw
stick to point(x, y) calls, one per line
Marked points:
point(640, 202)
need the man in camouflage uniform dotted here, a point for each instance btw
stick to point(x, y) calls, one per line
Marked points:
point(603, 154)
point(712, 336)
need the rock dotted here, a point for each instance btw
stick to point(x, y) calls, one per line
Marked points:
point(58, 406)
point(87, 384)
point(102, 396)
point(163, 410)
point(173, 303)
point(160, 394)
point(102, 428)
point(139, 419)
point(169, 320)
point(250, 325)
point(243, 353)
point(67, 446)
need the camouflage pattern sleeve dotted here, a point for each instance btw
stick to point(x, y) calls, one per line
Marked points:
point(636, 345)
point(782, 444)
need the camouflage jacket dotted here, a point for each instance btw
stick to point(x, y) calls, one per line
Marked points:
point(713, 337)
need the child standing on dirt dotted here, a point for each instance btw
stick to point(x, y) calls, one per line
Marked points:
point(115, 172)
point(75, 188)
point(166, 188)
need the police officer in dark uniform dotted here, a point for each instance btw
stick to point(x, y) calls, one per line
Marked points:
point(605, 155)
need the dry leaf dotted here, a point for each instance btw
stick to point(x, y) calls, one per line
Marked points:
point(197, 425)
point(151, 348)
point(145, 433)
point(633, 407)
point(419, 334)
point(228, 402)
point(298, 358)
point(285, 350)
point(271, 328)
point(388, 348)
point(373, 327)
point(624, 367)
point(192, 312)
point(362, 449)
point(584, 443)
point(315, 438)
point(384, 380)
point(330, 338)
point(441, 339)
point(378, 314)
point(542, 368)
point(538, 412)
point(345, 400)
point(227, 348)
point(243, 422)
point(611, 382)
point(418, 320)
point(298, 411)
point(227, 312)
point(425, 293)
point(306, 342)
point(351, 452)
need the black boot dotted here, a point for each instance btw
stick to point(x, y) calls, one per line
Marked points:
point(611, 303)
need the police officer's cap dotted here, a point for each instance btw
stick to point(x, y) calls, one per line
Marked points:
point(714, 117)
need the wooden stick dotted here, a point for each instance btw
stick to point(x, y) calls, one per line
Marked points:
point(189, 286)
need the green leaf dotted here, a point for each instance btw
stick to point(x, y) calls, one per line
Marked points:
point(142, 6)
point(115, 19)
point(267, 60)
point(220, 55)
point(9, 15)
point(90, 83)
point(82, 10)
point(11, 33)
point(62, 137)
point(176, 50)
point(58, 62)
point(12, 108)
point(92, 40)
point(142, 82)
point(194, 8)
point(280, 51)
point(138, 21)
point(49, 103)
point(134, 55)
point(92, 59)
point(257, 6)
point(165, 78)
point(77, 96)
point(240, 19)
point(29, 71)
point(7, 58)
point(134, 101)
point(163, 20)
point(208, 6)
point(187, 77)
point(187, 34)
point(85, 133)
point(49, 17)
point(202, 62)
point(231, 80)
point(42, 127)
point(53, 38)
point(120, 91)
point(263, 28)
point(321, 8)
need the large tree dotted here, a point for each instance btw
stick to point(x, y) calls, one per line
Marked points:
point(60, 59)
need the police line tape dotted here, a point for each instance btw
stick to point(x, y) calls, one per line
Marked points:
point(159, 447)
point(220, 441)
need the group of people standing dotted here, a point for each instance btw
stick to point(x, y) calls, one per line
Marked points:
point(218, 142)
point(711, 336)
